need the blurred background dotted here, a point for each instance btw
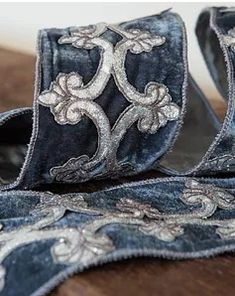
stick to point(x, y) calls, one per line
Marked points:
point(20, 22)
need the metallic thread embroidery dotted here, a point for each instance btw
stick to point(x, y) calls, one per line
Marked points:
point(86, 242)
point(229, 39)
point(69, 99)
point(223, 163)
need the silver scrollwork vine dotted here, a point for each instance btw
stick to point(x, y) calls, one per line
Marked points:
point(86, 242)
point(69, 99)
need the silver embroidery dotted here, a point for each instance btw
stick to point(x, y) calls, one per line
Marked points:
point(69, 99)
point(229, 39)
point(221, 163)
point(224, 162)
point(87, 242)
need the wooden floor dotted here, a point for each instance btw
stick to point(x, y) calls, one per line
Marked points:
point(137, 277)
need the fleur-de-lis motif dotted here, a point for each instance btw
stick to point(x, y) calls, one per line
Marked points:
point(60, 96)
point(73, 203)
point(69, 100)
point(73, 170)
point(159, 113)
point(82, 37)
point(139, 210)
point(85, 247)
point(141, 41)
point(166, 231)
point(85, 243)
point(208, 194)
point(226, 230)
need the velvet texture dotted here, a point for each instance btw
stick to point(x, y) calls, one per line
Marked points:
point(220, 60)
point(33, 263)
point(55, 144)
point(175, 218)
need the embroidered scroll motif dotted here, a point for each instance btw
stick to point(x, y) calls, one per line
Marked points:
point(86, 242)
point(229, 39)
point(223, 163)
point(69, 99)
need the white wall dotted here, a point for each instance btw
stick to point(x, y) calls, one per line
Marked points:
point(19, 23)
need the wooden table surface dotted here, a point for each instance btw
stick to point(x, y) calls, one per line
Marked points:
point(138, 277)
